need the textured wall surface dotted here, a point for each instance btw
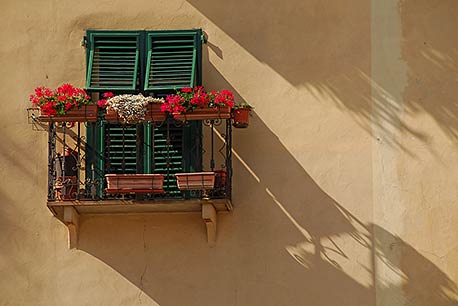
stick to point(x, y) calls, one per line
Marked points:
point(344, 184)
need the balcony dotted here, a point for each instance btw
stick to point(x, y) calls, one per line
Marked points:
point(102, 166)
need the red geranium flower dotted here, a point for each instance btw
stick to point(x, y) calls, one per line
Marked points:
point(102, 103)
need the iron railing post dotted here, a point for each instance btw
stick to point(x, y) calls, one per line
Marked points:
point(51, 161)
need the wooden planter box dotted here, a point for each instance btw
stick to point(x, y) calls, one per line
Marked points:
point(86, 113)
point(153, 113)
point(196, 180)
point(206, 113)
point(135, 183)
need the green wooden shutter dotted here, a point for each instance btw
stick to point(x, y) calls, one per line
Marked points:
point(168, 156)
point(121, 148)
point(113, 60)
point(171, 59)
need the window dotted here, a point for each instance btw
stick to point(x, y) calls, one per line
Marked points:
point(152, 63)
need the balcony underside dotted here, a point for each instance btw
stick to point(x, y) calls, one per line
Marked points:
point(69, 212)
point(137, 207)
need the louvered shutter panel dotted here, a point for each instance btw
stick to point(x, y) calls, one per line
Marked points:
point(168, 157)
point(171, 59)
point(121, 149)
point(113, 60)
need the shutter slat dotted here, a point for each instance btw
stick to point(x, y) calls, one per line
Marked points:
point(113, 62)
point(171, 152)
point(121, 139)
point(172, 61)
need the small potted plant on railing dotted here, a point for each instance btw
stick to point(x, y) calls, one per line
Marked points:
point(64, 104)
point(197, 104)
point(131, 108)
point(241, 115)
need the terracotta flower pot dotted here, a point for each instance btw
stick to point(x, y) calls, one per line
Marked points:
point(70, 183)
point(86, 113)
point(220, 179)
point(135, 183)
point(153, 113)
point(196, 180)
point(241, 118)
point(205, 113)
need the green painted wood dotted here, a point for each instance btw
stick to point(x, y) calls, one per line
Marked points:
point(171, 59)
point(113, 62)
point(167, 156)
point(161, 61)
point(121, 147)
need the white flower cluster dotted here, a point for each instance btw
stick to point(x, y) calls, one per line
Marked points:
point(131, 108)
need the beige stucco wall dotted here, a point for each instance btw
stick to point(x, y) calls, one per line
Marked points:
point(344, 190)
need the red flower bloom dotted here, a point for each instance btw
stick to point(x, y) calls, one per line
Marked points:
point(108, 95)
point(48, 109)
point(59, 101)
point(68, 106)
point(102, 103)
point(186, 89)
point(68, 89)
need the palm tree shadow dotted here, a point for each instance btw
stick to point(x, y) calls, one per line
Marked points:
point(326, 48)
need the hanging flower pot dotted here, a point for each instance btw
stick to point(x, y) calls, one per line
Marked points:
point(205, 113)
point(197, 104)
point(64, 104)
point(153, 113)
point(196, 180)
point(86, 113)
point(132, 108)
point(134, 183)
point(241, 115)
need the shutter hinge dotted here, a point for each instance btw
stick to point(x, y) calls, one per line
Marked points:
point(84, 42)
point(203, 39)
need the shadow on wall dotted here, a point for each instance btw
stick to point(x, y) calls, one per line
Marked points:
point(281, 246)
point(325, 47)
point(286, 243)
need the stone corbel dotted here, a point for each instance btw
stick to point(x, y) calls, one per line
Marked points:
point(209, 217)
point(71, 220)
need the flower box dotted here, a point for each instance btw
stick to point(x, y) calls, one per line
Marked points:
point(86, 113)
point(153, 113)
point(205, 113)
point(135, 183)
point(196, 180)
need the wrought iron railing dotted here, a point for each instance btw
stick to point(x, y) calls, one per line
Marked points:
point(81, 154)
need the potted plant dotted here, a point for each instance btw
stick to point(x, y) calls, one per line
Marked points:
point(197, 104)
point(64, 104)
point(134, 183)
point(131, 108)
point(241, 115)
